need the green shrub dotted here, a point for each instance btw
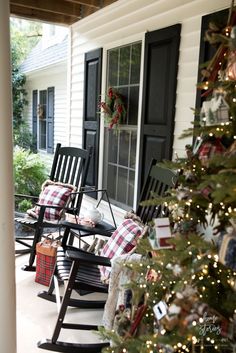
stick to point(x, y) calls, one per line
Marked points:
point(29, 173)
point(24, 205)
point(22, 137)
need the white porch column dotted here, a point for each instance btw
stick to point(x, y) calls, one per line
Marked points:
point(7, 258)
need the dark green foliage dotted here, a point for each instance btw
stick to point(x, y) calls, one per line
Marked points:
point(29, 173)
point(21, 44)
point(24, 205)
point(23, 137)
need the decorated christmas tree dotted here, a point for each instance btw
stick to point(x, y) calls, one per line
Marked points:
point(183, 296)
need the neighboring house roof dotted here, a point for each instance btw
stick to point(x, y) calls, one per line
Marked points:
point(40, 57)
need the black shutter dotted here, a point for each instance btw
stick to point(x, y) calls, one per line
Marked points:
point(91, 116)
point(159, 95)
point(34, 117)
point(206, 49)
point(50, 120)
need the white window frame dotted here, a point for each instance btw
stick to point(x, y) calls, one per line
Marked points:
point(125, 41)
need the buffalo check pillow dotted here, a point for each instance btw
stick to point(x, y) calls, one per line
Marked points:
point(56, 194)
point(122, 241)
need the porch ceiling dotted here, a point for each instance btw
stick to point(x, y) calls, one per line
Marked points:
point(64, 12)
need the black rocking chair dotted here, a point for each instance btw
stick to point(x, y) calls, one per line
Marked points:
point(80, 269)
point(70, 166)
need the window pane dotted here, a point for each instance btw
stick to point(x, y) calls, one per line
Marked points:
point(42, 119)
point(124, 91)
point(111, 181)
point(133, 105)
point(113, 68)
point(124, 65)
point(43, 103)
point(133, 149)
point(112, 146)
point(122, 185)
point(131, 188)
point(43, 97)
point(124, 148)
point(135, 63)
point(42, 134)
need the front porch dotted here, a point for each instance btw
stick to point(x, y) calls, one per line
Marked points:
point(35, 317)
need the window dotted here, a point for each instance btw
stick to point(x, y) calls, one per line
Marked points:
point(43, 119)
point(123, 73)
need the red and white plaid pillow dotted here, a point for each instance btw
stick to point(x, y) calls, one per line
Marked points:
point(56, 194)
point(122, 241)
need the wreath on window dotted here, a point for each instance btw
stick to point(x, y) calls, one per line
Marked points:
point(40, 111)
point(113, 108)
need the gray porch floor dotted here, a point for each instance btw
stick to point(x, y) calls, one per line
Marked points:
point(36, 317)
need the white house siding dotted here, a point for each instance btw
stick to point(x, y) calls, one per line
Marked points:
point(126, 21)
point(52, 77)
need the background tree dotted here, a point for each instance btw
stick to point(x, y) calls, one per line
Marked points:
point(24, 36)
point(29, 170)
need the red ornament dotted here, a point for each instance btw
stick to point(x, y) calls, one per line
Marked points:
point(209, 149)
point(110, 92)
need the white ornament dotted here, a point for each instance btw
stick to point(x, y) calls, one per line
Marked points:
point(160, 310)
point(214, 111)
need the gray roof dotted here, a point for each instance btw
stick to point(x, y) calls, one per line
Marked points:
point(39, 57)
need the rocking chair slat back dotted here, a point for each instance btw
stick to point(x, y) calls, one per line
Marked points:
point(158, 181)
point(70, 166)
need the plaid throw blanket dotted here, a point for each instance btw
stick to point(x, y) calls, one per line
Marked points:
point(120, 276)
point(122, 241)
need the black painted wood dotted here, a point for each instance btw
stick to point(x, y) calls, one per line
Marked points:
point(159, 95)
point(158, 181)
point(91, 116)
point(71, 347)
point(70, 165)
point(50, 120)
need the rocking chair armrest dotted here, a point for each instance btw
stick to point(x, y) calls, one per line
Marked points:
point(76, 255)
point(47, 206)
point(87, 190)
point(26, 196)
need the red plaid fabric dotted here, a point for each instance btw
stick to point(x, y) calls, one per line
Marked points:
point(209, 149)
point(121, 242)
point(44, 268)
point(53, 193)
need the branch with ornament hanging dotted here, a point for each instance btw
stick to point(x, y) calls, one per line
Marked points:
point(179, 301)
point(223, 62)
